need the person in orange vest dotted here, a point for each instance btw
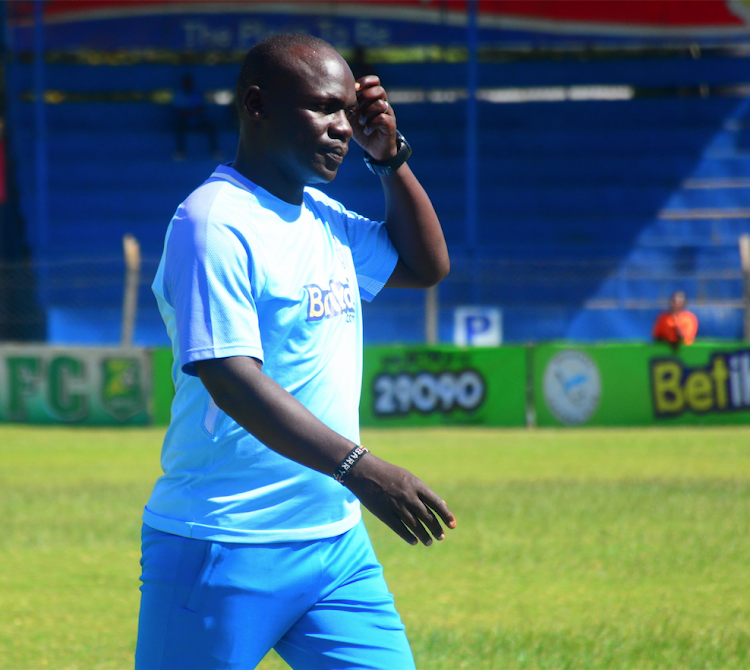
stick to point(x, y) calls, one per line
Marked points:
point(678, 325)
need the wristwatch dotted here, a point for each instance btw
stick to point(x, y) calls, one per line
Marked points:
point(387, 168)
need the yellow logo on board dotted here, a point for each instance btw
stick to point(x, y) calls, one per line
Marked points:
point(721, 386)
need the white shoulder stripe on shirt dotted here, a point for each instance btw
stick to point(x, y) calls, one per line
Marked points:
point(232, 180)
point(212, 413)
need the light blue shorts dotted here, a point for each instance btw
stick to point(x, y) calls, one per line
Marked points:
point(221, 605)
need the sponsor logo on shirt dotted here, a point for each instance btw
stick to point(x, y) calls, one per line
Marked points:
point(325, 303)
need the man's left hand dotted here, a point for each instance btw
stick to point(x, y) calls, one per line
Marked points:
point(374, 123)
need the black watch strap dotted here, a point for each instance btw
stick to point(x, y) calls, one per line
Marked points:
point(387, 168)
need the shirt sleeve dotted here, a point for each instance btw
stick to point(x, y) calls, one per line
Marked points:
point(373, 253)
point(208, 274)
point(664, 328)
point(656, 333)
point(688, 326)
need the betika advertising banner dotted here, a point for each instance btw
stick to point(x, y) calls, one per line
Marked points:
point(707, 383)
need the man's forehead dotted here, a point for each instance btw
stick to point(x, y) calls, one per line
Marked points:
point(321, 72)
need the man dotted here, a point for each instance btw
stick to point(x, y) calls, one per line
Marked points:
point(678, 325)
point(249, 542)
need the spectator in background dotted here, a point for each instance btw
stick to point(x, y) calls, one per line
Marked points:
point(190, 115)
point(678, 325)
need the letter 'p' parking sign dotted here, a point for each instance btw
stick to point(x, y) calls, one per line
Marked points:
point(477, 326)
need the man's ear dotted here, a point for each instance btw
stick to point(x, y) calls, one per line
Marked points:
point(253, 102)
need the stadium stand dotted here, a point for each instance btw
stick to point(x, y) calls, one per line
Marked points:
point(591, 212)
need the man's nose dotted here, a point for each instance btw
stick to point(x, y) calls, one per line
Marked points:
point(340, 127)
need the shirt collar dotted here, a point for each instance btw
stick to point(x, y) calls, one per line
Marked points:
point(228, 173)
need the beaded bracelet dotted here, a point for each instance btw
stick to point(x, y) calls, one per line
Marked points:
point(348, 463)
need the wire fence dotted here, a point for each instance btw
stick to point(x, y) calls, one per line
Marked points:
point(93, 290)
point(30, 291)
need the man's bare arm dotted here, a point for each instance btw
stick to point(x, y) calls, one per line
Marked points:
point(266, 410)
point(415, 231)
point(411, 221)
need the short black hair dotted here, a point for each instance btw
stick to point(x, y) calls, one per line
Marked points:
point(263, 63)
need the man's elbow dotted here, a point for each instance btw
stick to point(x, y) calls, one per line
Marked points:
point(425, 274)
point(435, 274)
point(442, 270)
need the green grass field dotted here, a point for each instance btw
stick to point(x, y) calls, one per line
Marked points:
point(574, 549)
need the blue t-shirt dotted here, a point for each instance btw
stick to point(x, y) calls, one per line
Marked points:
point(246, 274)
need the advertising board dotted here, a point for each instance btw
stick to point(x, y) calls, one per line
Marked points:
point(162, 386)
point(428, 386)
point(217, 26)
point(89, 386)
point(641, 384)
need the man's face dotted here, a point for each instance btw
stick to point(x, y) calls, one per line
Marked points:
point(307, 128)
point(677, 302)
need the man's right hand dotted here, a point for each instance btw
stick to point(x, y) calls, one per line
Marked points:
point(256, 402)
point(399, 499)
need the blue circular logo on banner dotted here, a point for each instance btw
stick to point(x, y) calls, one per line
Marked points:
point(572, 387)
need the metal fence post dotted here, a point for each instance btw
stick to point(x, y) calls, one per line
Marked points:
point(745, 260)
point(472, 147)
point(40, 129)
point(132, 251)
point(431, 310)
